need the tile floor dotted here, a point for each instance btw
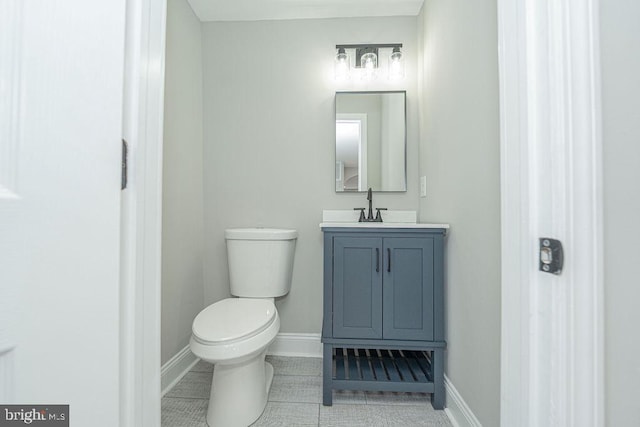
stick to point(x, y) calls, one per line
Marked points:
point(295, 399)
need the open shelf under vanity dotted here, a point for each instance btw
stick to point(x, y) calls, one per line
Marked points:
point(382, 370)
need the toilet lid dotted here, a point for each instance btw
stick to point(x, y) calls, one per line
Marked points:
point(233, 318)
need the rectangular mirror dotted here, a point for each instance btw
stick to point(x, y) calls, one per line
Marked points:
point(371, 141)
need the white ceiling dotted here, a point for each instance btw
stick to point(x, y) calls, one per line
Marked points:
point(258, 10)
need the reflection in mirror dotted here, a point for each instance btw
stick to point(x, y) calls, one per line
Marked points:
point(370, 141)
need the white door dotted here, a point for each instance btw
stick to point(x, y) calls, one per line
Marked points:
point(552, 364)
point(61, 86)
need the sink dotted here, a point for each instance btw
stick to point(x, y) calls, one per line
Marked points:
point(390, 219)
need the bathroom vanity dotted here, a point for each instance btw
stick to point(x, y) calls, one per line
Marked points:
point(383, 318)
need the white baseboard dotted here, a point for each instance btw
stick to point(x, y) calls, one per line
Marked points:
point(457, 409)
point(309, 345)
point(173, 371)
point(298, 345)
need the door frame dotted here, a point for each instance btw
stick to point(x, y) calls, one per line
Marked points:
point(572, 68)
point(361, 119)
point(550, 131)
point(141, 230)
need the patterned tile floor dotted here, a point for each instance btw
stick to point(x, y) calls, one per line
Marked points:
point(295, 399)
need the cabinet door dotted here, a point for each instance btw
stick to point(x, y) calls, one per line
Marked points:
point(357, 287)
point(408, 288)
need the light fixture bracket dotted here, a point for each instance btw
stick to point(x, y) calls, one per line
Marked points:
point(363, 45)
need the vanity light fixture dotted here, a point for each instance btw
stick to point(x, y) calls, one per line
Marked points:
point(366, 61)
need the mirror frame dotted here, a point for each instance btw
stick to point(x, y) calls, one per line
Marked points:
point(335, 150)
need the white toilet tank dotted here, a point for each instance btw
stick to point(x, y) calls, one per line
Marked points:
point(260, 261)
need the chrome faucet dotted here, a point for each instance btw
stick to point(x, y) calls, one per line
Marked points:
point(369, 217)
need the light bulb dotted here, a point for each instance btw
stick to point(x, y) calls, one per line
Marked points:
point(369, 64)
point(396, 65)
point(341, 65)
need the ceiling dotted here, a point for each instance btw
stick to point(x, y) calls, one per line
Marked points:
point(259, 10)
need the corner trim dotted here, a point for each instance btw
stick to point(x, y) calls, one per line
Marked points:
point(296, 345)
point(457, 409)
point(176, 368)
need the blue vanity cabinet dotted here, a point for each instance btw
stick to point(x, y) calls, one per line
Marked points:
point(383, 319)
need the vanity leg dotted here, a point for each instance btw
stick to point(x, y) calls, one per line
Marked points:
point(327, 374)
point(437, 399)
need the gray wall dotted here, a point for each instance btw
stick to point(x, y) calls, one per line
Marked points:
point(620, 41)
point(460, 156)
point(269, 140)
point(392, 129)
point(182, 222)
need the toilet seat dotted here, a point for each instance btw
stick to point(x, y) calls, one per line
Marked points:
point(233, 319)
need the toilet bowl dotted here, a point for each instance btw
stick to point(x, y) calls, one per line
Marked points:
point(234, 333)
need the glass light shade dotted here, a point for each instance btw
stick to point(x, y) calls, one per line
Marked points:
point(396, 65)
point(341, 65)
point(369, 64)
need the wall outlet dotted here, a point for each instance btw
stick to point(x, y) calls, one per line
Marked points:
point(423, 186)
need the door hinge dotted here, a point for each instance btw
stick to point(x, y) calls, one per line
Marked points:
point(125, 152)
point(551, 255)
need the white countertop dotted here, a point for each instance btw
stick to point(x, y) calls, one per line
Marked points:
point(391, 219)
point(382, 225)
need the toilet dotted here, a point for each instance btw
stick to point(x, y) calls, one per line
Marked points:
point(234, 334)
